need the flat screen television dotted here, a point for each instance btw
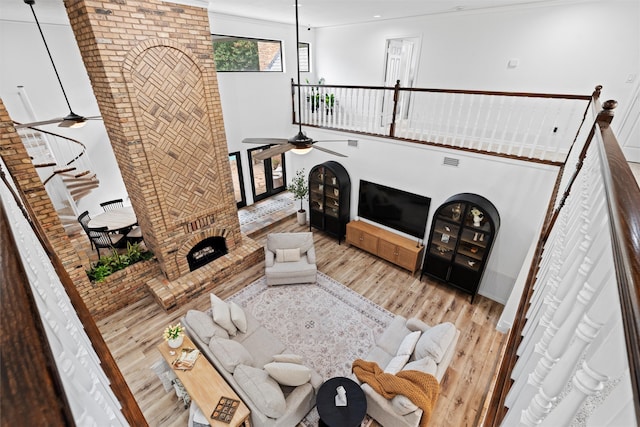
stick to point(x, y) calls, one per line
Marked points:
point(397, 209)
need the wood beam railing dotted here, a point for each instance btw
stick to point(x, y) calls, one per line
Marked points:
point(537, 127)
point(623, 206)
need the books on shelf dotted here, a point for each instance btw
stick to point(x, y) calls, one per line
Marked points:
point(187, 359)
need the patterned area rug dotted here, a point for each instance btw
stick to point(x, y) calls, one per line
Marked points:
point(265, 208)
point(327, 323)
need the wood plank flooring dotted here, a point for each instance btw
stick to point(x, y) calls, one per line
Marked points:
point(133, 333)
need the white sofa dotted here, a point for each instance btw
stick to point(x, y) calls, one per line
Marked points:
point(433, 353)
point(241, 358)
point(290, 258)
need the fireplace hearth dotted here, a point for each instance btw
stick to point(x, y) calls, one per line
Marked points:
point(206, 251)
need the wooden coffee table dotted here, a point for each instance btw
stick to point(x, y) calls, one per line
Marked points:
point(205, 386)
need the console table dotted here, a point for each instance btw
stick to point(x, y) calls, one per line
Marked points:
point(206, 386)
point(387, 245)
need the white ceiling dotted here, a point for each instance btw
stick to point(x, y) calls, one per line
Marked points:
point(312, 13)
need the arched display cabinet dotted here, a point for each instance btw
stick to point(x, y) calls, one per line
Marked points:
point(463, 230)
point(329, 197)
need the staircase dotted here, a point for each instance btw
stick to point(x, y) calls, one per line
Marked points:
point(64, 168)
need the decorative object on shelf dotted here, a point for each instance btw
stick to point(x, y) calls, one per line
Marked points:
point(329, 198)
point(456, 211)
point(174, 335)
point(341, 396)
point(463, 262)
point(478, 216)
point(298, 187)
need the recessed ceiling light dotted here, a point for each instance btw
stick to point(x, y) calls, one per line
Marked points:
point(377, 16)
point(459, 8)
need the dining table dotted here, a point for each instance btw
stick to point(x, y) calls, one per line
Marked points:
point(115, 220)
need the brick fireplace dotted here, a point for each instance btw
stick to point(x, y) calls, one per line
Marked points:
point(152, 70)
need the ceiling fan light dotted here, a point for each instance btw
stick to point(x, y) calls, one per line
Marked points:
point(72, 120)
point(301, 151)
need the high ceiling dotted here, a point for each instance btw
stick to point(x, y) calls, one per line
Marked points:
point(312, 13)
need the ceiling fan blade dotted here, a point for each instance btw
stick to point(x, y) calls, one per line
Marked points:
point(40, 123)
point(273, 151)
point(335, 153)
point(265, 141)
point(335, 140)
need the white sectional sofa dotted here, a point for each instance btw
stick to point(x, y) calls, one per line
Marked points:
point(241, 360)
point(433, 353)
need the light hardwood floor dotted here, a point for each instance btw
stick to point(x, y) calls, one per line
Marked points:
point(134, 333)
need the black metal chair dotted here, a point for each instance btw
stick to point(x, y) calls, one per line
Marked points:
point(84, 219)
point(102, 238)
point(112, 204)
point(135, 234)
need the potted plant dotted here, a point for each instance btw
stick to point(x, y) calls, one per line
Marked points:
point(298, 187)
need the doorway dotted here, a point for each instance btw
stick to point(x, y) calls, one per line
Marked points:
point(267, 176)
point(401, 63)
point(235, 162)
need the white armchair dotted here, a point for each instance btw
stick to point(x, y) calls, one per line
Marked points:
point(290, 258)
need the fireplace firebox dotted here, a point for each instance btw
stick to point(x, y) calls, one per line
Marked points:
point(206, 251)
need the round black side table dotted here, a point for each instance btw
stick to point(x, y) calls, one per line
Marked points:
point(341, 416)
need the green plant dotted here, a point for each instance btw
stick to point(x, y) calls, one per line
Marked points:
point(298, 187)
point(109, 264)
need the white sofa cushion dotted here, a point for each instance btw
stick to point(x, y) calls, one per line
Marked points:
point(426, 365)
point(204, 326)
point(435, 341)
point(238, 318)
point(402, 404)
point(263, 390)
point(396, 364)
point(222, 315)
point(291, 374)
point(408, 344)
point(287, 255)
point(289, 358)
point(230, 353)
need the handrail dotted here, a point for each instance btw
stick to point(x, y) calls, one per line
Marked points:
point(28, 366)
point(530, 126)
point(129, 407)
point(623, 201)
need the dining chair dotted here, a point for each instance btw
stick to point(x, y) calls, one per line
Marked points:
point(112, 204)
point(84, 219)
point(135, 235)
point(103, 239)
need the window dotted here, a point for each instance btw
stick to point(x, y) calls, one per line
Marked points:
point(267, 176)
point(303, 57)
point(244, 54)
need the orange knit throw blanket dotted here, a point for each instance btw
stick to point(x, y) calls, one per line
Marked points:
point(421, 388)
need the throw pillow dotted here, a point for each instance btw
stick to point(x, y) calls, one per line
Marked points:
point(230, 353)
point(222, 315)
point(291, 374)
point(408, 344)
point(426, 364)
point(263, 390)
point(238, 317)
point(403, 405)
point(203, 326)
point(287, 255)
point(396, 364)
point(289, 358)
point(435, 341)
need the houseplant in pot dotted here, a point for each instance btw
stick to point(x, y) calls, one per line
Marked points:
point(298, 187)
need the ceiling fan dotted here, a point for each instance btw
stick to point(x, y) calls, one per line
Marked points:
point(300, 143)
point(72, 119)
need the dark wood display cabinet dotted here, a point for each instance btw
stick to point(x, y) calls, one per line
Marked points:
point(462, 232)
point(329, 198)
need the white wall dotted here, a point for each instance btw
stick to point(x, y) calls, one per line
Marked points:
point(520, 191)
point(25, 62)
point(561, 48)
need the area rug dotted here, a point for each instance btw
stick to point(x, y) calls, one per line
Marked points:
point(265, 208)
point(327, 323)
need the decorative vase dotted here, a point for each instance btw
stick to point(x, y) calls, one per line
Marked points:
point(176, 342)
point(302, 217)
